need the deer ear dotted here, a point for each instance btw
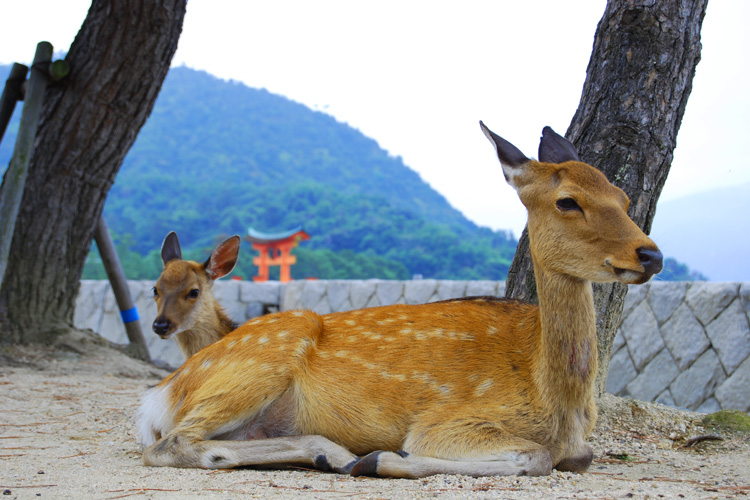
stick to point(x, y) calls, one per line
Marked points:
point(511, 158)
point(555, 148)
point(223, 258)
point(170, 248)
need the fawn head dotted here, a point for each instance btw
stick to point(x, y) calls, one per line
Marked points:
point(183, 291)
point(578, 221)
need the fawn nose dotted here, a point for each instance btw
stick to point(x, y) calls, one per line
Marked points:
point(160, 326)
point(651, 260)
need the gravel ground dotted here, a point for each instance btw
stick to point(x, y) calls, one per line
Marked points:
point(67, 431)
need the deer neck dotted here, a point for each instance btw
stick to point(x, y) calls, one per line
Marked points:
point(567, 361)
point(211, 325)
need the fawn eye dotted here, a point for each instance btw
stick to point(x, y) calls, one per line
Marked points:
point(567, 204)
point(193, 294)
point(156, 292)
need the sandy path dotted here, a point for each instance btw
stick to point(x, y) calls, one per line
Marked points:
point(67, 431)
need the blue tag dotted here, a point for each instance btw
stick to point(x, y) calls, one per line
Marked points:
point(130, 315)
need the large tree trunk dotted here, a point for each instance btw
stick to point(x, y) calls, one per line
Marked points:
point(637, 85)
point(118, 62)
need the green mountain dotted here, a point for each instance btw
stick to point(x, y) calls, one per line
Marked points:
point(217, 157)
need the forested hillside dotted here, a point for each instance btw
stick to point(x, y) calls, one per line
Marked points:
point(216, 157)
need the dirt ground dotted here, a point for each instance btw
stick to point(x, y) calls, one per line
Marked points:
point(67, 418)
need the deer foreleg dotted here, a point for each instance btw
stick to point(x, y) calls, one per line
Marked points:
point(536, 462)
point(314, 451)
point(470, 446)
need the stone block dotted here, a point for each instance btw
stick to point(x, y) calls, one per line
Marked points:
point(696, 384)
point(621, 371)
point(227, 292)
point(745, 297)
point(708, 299)
point(147, 291)
point(451, 289)
point(636, 294)
point(253, 309)
point(665, 398)
point(389, 292)
point(642, 335)
point(266, 292)
point(322, 307)
point(110, 304)
point(374, 301)
point(654, 378)
point(709, 406)
point(734, 393)
point(112, 327)
point(685, 337)
point(338, 295)
point(730, 336)
point(360, 293)
point(135, 288)
point(481, 287)
point(313, 292)
point(147, 311)
point(166, 351)
point(665, 297)
point(90, 304)
point(291, 295)
point(419, 291)
point(618, 341)
point(346, 306)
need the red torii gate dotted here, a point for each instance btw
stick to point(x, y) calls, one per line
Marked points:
point(275, 250)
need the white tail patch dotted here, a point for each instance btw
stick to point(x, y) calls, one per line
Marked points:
point(155, 417)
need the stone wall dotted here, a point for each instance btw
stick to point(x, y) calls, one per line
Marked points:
point(683, 344)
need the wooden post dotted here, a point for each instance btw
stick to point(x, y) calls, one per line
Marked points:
point(15, 177)
point(261, 261)
point(285, 260)
point(12, 93)
point(116, 276)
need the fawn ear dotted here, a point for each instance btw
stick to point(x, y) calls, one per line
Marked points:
point(511, 158)
point(223, 258)
point(555, 148)
point(170, 249)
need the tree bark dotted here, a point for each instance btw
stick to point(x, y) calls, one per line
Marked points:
point(118, 62)
point(637, 85)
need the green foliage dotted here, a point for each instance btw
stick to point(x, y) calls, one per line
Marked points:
point(217, 157)
point(676, 271)
point(728, 420)
point(135, 265)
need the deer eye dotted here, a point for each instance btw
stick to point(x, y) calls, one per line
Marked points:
point(567, 204)
point(156, 292)
point(193, 294)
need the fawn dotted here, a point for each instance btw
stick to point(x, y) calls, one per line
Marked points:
point(187, 309)
point(477, 386)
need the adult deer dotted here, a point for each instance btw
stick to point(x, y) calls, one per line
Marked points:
point(477, 386)
point(187, 309)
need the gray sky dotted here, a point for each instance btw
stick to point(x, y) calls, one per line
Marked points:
point(417, 77)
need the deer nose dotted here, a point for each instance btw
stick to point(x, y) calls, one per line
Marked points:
point(651, 260)
point(160, 326)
